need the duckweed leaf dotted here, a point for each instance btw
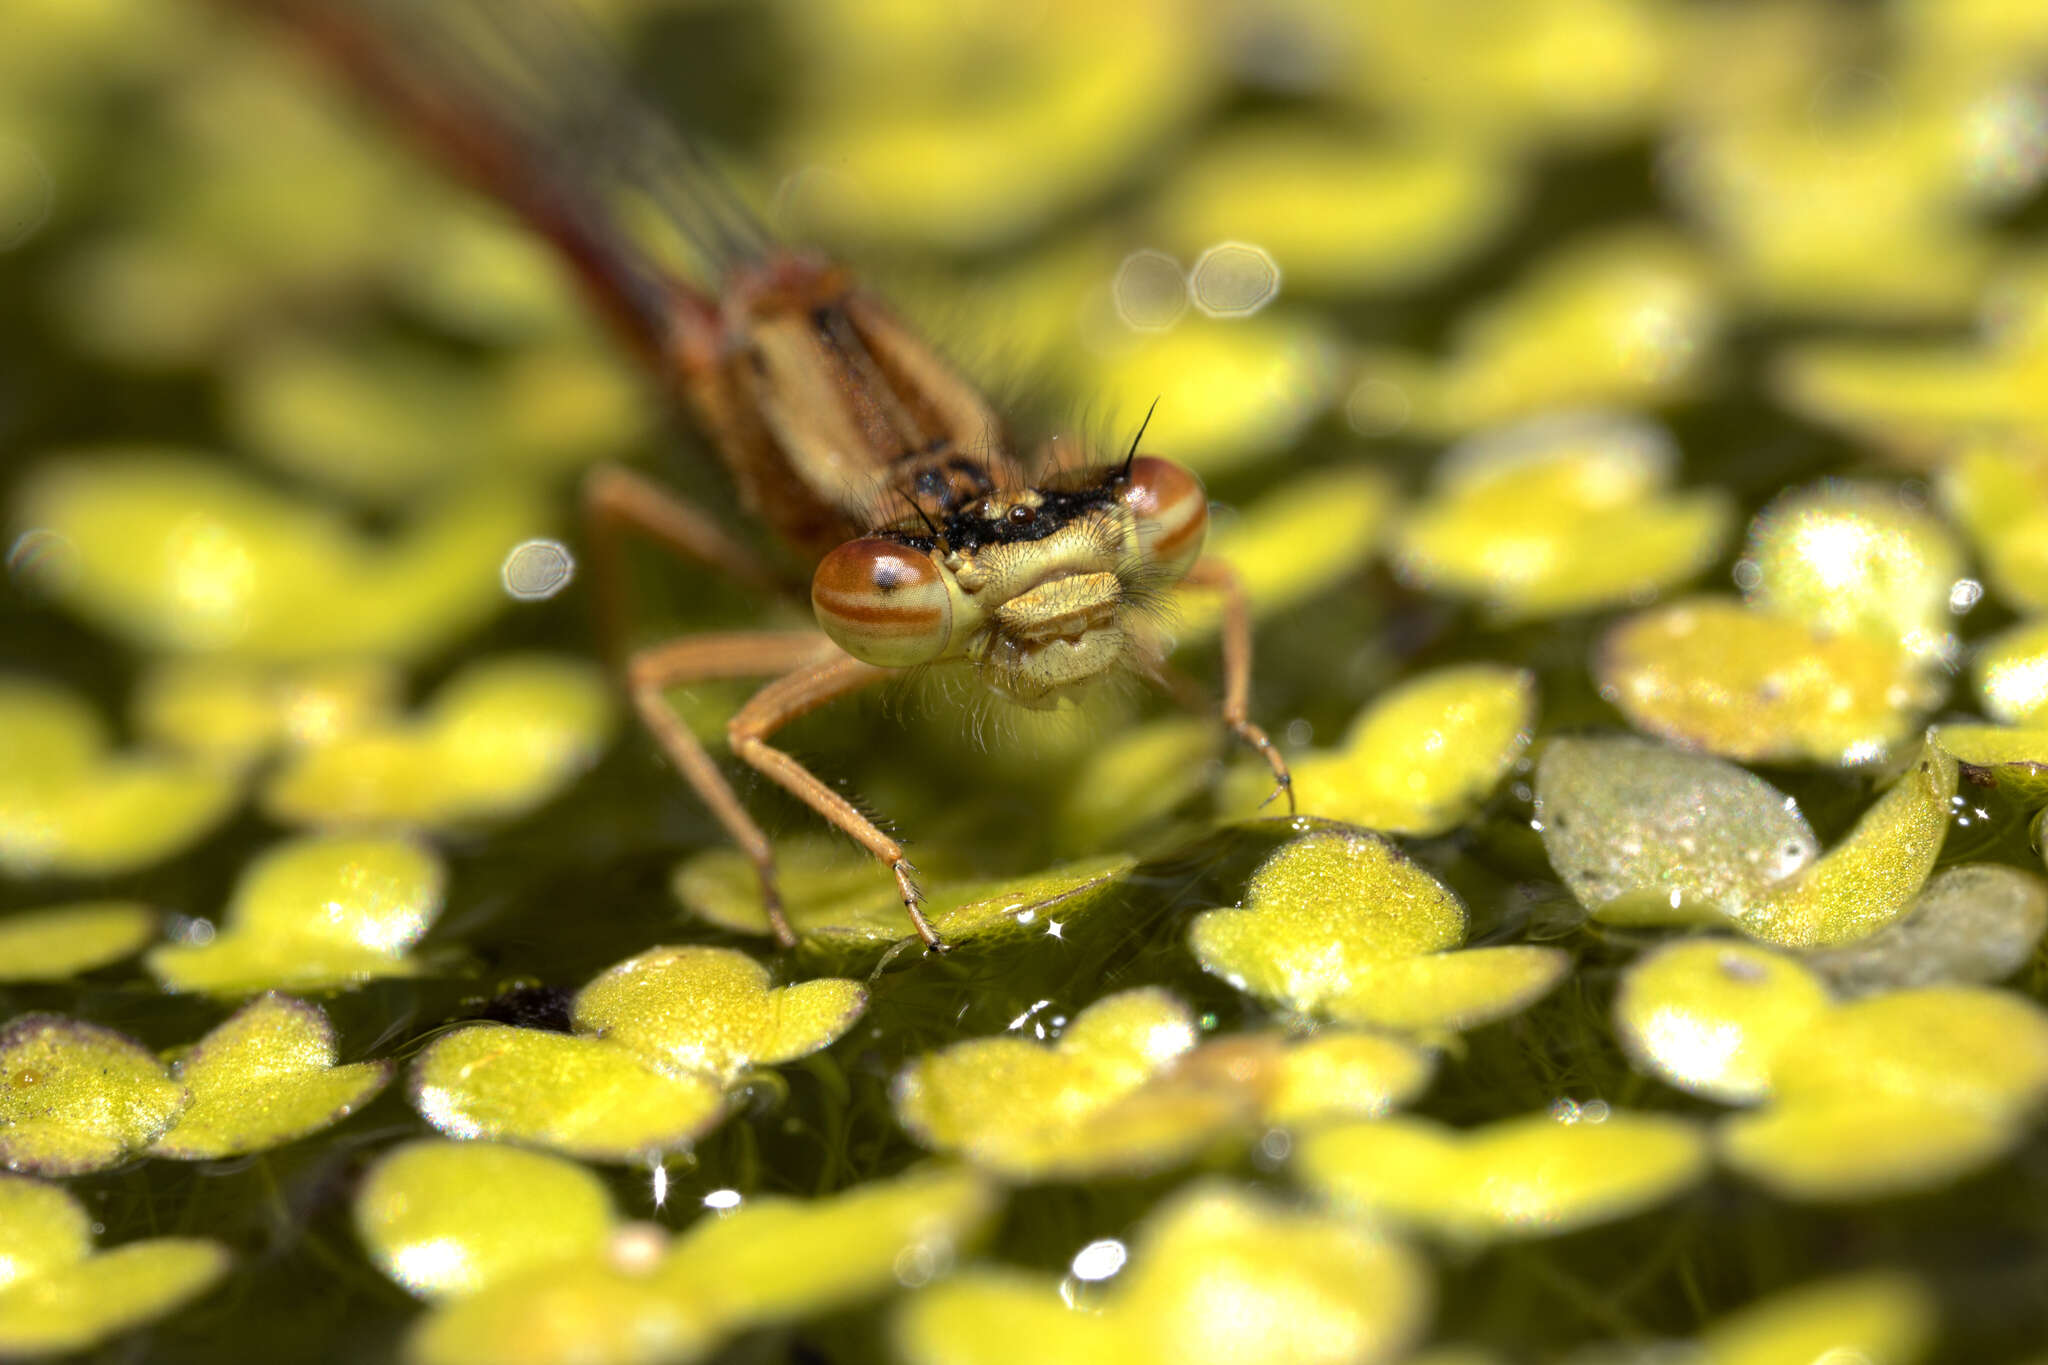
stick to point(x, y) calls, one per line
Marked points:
point(834, 893)
point(499, 739)
point(636, 1296)
point(75, 1097)
point(1897, 1092)
point(436, 1218)
point(2012, 674)
point(1870, 878)
point(70, 806)
point(1974, 923)
point(316, 913)
point(583, 1096)
point(1856, 558)
point(1347, 1075)
point(59, 941)
point(264, 1077)
point(1524, 1177)
point(1106, 1098)
point(1711, 1016)
point(1559, 515)
point(1628, 318)
point(1295, 542)
point(1883, 1317)
point(176, 552)
point(1217, 1275)
point(1758, 686)
point(2015, 761)
point(1341, 924)
point(591, 1311)
point(1338, 211)
point(1230, 392)
point(1421, 757)
point(1850, 1150)
point(712, 1012)
point(58, 1296)
point(1642, 832)
point(775, 1259)
point(235, 712)
point(1133, 778)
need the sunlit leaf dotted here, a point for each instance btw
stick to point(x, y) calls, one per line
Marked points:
point(1973, 923)
point(1642, 832)
point(75, 1097)
point(1712, 1015)
point(1525, 1177)
point(59, 941)
point(264, 1077)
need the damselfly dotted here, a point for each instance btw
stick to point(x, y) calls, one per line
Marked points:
point(932, 541)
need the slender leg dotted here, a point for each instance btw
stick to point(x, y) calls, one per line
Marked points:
point(617, 501)
point(811, 672)
point(1212, 573)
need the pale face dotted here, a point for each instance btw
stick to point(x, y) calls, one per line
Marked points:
point(1035, 588)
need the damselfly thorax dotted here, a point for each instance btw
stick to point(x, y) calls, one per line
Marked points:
point(930, 540)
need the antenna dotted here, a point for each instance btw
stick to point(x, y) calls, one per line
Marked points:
point(1125, 473)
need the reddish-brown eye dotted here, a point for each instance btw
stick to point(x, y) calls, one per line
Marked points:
point(883, 603)
point(1172, 509)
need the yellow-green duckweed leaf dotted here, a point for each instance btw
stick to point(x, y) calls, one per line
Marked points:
point(1294, 543)
point(75, 1097)
point(1897, 1092)
point(317, 913)
point(1626, 319)
point(1104, 1099)
point(59, 941)
point(1876, 1318)
point(1856, 558)
point(1711, 1015)
point(391, 421)
point(69, 806)
point(176, 552)
point(581, 1096)
point(448, 1218)
point(1757, 686)
point(1870, 878)
point(58, 1296)
point(1347, 1075)
point(1999, 492)
point(1336, 209)
point(1974, 923)
point(2014, 760)
point(712, 1011)
point(1339, 923)
point(2012, 674)
point(1420, 757)
point(499, 739)
point(1853, 1149)
point(1814, 214)
point(1561, 514)
point(1644, 833)
point(235, 712)
point(1533, 1176)
point(264, 1077)
point(1135, 777)
point(1916, 401)
point(587, 1289)
point(587, 1311)
point(835, 893)
point(1217, 1275)
point(1230, 392)
point(1006, 124)
point(775, 1259)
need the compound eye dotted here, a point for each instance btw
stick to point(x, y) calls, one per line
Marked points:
point(883, 603)
point(1172, 511)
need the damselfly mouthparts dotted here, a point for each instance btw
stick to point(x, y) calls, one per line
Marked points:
point(855, 443)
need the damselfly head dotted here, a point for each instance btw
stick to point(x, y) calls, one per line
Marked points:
point(1036, 587)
